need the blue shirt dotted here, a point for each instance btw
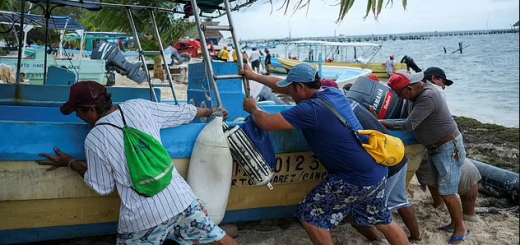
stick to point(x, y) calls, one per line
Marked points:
point(333, 143)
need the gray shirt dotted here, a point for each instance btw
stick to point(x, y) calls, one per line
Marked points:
point(429, 117)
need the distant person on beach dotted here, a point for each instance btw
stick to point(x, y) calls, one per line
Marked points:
point(395, 190)
point(234, 55)
point(223, 54)
point(142, 220)
point(174, 55)
point(435, 128)
point(245, 57)
point(410, 63)
point(267, 62)
point(390, 66)
point(470, 176)
point(355, 184)
point(255, 60)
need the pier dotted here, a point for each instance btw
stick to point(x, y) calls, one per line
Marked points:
point(383, 37)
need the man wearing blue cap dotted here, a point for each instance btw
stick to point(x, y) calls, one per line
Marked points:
point(354, 187)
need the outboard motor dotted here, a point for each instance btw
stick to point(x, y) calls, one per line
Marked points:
point(410, 63)
point(115, 61)
point(386, 103)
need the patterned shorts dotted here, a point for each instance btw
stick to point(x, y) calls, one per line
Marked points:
point(192, 226)
point(334, 200)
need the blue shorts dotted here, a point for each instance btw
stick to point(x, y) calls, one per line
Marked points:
point(192, 226)
point(334, 199)
point(447, 160)
point(396, 190)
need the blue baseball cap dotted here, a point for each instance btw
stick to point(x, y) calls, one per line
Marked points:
point(301, 73)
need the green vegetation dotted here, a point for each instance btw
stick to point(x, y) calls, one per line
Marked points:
point(490, 143)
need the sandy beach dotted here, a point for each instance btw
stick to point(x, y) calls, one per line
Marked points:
point(498, 224)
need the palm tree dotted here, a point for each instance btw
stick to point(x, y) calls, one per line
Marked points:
point(374, 6)
point(115, 19)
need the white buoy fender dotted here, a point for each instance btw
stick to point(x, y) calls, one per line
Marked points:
point(210, 169)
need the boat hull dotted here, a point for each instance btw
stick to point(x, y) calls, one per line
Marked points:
point(37, 205)
point(378, 69)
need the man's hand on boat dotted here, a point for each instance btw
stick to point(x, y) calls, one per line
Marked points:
point(62, 160)
point(247, 72)
point(249, 105)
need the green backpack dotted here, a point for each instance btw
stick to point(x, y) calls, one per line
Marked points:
point(149, 163)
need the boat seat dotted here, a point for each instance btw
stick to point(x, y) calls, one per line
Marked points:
point(56, 95)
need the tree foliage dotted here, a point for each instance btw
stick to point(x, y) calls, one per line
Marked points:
point(171, 28)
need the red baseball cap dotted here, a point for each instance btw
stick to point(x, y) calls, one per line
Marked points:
point(328, 83)
point(402, 78)
point(85, 93)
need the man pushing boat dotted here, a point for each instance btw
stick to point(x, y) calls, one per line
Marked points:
point(147, 216)
point(355, 184)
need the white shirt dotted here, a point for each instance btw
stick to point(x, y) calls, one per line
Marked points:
point(107, 166)
point(255, 55)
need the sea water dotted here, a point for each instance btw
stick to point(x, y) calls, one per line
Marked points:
point(485, 74)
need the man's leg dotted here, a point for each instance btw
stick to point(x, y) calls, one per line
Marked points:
point(394, 233)
point(438, 202)
point(468, 203)
point(227, 240)
point(195, 226)
point(318, 235)
point(410, 221)
point(396, 199)
point(369, 232)
point(448, 160)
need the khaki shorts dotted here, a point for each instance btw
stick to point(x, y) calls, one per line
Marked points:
point(469, 175)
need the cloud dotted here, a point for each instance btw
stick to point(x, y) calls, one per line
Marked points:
point(262, 20)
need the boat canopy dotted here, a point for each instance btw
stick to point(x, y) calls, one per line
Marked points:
point(207, 6)
point(86, 4)
point(55, 22)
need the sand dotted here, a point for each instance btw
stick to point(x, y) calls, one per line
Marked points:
point(499, 220)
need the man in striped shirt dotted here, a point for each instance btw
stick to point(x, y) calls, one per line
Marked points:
point(174, 213)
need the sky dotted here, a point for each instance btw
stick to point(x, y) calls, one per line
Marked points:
point(258, 22)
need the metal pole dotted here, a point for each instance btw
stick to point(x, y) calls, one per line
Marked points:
point(47, 15)
point(140, 49)
point(161, 49)
point(207, 57)
point(237, 48)
point(20, 45)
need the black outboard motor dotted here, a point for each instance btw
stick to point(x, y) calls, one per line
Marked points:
point(385, 101)
point(115, 61)
point(410, 63)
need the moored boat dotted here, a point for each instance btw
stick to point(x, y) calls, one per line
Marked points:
point(359, 55)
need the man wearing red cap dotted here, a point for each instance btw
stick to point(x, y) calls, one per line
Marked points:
point(142, 219)
point(435, 128)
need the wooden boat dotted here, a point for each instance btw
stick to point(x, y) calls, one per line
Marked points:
point(36, 205)
point(33, 68)
point(340, 54)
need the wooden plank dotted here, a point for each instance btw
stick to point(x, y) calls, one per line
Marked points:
point(58, 212)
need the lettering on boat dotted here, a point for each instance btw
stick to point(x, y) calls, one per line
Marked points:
point(290, 168)
point(378, 98)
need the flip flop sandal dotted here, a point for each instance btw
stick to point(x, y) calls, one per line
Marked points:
point(459, 239)
point(447, 228)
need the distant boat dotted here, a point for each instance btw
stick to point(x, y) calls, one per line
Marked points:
point(335, 54)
